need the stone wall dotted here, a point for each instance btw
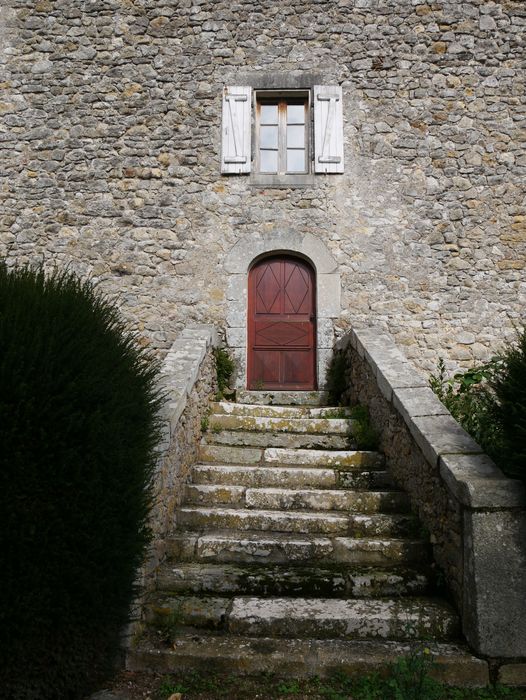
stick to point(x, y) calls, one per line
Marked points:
point(475, 515)
point(188, 377)
point(110, 141)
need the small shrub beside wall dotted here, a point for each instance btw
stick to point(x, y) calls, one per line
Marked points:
point(78, 429)
point(489, 401)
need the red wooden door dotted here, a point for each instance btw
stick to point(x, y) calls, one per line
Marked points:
point(281, 325)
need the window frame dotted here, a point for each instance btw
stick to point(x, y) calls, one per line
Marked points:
point(282, 100)
point(282, 177)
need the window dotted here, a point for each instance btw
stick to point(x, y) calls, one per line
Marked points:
point(272, 136)
point(282, 134)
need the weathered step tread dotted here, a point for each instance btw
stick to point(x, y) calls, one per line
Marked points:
point(265, 439)
point(322, 618)
point(276, 456)
point(239, 409)
point(291, 477)
point(317, 618)
point(327, 499)
point(278, 547)
point(298, 658)
point(282, 398)
point(342, 459)
point(266, 520)
point(337, 581)
point(364, 502)
point(263, 476)
point(340, 426)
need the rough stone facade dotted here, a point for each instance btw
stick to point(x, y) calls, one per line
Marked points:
point(110, 141)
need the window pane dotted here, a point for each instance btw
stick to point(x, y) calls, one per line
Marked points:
point(295, 161)
point(295, 114)
point(268, 161)
point(269, 114)
point(295, 136)
point(269, 136)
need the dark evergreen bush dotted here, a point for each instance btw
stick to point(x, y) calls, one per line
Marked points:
point(510, 389)
point(78, 430)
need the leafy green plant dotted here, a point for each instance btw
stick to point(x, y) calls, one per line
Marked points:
point(78, 429)
point(364, 434)
point(335, 413)
point(471, 400)
point(291, 687)
point(169, 687)
point(336, 378)
point(509, 386)
point(224, 367)
point(205, 421)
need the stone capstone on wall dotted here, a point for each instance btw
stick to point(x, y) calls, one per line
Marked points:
point(475, 515)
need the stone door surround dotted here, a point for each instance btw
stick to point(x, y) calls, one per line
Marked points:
point(328, 290)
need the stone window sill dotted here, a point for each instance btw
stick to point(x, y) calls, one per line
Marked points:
point(264, 180)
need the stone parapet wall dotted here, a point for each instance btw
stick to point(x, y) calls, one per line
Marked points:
point(110, 143)
point(475, 515)
point(188, 378)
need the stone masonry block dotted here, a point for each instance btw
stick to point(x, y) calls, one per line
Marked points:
point(417, 401)
point(477, 482)
point(494, 614)
point(441, 435)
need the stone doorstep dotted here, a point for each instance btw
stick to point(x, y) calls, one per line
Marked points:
point(244, 438)
point(316, 618)
point(363, 502)
point(290, 477)
point(238, 409)
point(301, 522)
point(338, 581)
point(300, 658)
point(279, 548)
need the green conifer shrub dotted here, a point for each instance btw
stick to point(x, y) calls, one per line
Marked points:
point(78, 430)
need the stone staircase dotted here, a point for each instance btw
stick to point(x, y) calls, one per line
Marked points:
point(294, 553)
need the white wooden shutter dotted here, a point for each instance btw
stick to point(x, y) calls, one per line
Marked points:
point(328, 129)
point(237, 108)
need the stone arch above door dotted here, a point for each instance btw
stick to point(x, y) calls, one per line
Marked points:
point(328, 291)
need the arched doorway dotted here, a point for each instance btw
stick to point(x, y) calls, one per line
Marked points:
point(281, 324)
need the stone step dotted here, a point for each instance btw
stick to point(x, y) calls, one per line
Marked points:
point(338, 581)
point(315, 618)
point(302, 522)
point(282, 398)
point(319, 426)
point(401, 619)
point(283, 548)
point(267, 439)
point(196, 518)
point(240, 409)
point(337, 459)
point(297, 658)
point(290, 477)
point(298, 499)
